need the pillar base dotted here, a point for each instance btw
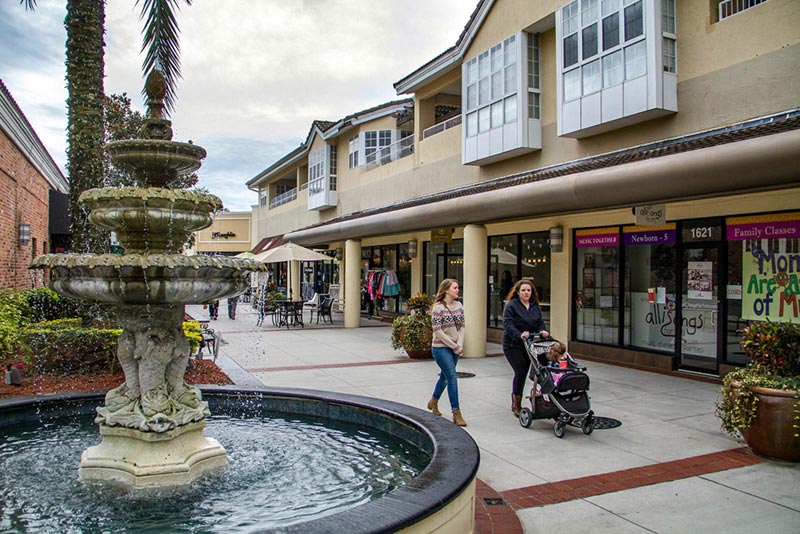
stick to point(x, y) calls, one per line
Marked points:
point(150, 459)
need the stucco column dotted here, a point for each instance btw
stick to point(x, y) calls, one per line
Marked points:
point(352, 283)
point(474, 284)
point(294, 281)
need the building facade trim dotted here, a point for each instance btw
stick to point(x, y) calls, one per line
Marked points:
point(752, 164)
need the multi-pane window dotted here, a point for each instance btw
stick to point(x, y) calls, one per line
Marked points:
point(262, 198)
point(668, 31)
point(534, 87)
point(352, 148)
point(491, 86)
point(601, 37)
point(282, 188)
point(332, 165)
point(375, 140)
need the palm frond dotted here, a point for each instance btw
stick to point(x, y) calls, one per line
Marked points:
point(29, 4)
point(161, 42)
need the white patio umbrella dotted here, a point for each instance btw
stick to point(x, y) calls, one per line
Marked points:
point(290, 252)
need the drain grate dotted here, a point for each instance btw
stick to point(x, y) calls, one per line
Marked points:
point(600, 423)
point(494, 501)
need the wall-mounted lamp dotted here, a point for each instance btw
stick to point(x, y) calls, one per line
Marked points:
point(338, 254)
point(24, 234)
point(556, 239)
point(412, 248)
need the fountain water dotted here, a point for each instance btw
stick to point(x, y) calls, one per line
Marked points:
point(152, 425)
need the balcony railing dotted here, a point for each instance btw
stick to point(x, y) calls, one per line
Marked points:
point(442, 126)
point(390, 153)
point(283, 198)
point(728, 8)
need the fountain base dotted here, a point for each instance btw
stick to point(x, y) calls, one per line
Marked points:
point(150, 459)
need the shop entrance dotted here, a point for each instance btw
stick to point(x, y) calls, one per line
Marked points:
point(700, 308)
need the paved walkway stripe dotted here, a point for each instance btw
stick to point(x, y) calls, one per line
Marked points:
point(637, 477)
point(329, 366)
point(493, 515)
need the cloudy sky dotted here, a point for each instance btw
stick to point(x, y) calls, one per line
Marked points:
point(255, 72)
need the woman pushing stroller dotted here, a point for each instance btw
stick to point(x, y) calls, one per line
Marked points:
point(522, 318)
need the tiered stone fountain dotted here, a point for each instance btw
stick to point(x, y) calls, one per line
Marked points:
point(152, 425)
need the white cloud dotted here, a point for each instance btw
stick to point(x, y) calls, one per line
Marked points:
point(255, 72)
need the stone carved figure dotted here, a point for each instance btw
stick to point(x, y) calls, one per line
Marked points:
point(153, 353)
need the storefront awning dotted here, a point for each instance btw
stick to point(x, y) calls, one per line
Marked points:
point(268, 243)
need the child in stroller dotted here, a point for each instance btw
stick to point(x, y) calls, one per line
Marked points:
point(564, 399)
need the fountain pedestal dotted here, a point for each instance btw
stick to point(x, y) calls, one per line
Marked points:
point(152, 425)
point(144, 459)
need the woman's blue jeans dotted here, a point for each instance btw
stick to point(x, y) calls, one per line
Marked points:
point(446, 359)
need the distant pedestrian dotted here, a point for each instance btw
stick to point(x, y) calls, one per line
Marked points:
point(213, 310)
point(232, 301)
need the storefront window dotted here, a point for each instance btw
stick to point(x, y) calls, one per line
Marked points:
point(443, 260)
point(597, 285)
point(763, 273)
point(650, 287)
point(516, 256)
point(385, 278)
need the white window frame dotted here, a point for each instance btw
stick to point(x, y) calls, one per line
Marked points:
point(577, 17)
point(352, 149)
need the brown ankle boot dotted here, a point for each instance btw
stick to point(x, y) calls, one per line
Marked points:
point(516, 404)
point(433, 406)
point(457, 419)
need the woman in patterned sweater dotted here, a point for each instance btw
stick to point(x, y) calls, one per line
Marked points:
point(447, 318)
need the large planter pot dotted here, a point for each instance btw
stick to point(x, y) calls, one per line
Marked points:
point(424, 354)
point(772, 433)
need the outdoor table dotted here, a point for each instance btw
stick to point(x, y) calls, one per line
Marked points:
point(291, 312)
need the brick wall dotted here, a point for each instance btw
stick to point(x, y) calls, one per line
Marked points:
point(23, 199)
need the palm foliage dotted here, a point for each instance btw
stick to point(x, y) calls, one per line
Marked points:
point(161, 43)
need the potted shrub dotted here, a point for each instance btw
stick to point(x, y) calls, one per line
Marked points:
point(413, 332)
point(762, 400)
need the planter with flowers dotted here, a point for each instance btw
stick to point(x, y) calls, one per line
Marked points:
point(413, 332)
point(762, 400)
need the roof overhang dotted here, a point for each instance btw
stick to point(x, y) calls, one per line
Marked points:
point(448, 60)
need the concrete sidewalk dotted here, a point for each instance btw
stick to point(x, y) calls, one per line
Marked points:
point(667, 468)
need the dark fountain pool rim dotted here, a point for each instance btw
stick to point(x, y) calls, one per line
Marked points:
point(454, 454)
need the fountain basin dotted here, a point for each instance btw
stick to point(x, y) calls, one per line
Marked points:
point(156, 162)
point(150, 219)
point(147, 278)
point(440, 498)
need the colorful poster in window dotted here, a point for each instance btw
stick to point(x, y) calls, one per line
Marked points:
point(699, 280)
point(770, 286)
point(770, 265)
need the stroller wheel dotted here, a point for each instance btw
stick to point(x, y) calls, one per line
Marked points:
point(525, 417)
point(587, 425)
point(558, 429)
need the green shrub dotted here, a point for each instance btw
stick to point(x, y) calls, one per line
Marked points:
point(15, 313)
point(68, 350)
point(47, 305)
point(58, 324)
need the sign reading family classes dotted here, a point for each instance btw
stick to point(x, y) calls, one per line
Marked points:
point(769, 277)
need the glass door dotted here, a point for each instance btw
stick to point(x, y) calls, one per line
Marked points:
point(700, 308)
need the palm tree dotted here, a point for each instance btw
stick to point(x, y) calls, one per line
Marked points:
point(85, 25)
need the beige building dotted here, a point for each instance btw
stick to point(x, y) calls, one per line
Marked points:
point(637, 158)
point(230, 234)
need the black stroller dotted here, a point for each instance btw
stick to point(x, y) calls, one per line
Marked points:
point(567, 402)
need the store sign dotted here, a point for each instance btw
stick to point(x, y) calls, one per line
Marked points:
point(649, 235)
point(653, 326)
point(651, 215)
point(770, 278)
point(699, 231)
point(222, 235)
point(783, 225)
point(597, 237)
point(442, 235)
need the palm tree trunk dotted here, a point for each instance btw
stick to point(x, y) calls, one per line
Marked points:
point(85, 23)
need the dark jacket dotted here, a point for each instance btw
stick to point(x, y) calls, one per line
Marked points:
point(517, 319)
